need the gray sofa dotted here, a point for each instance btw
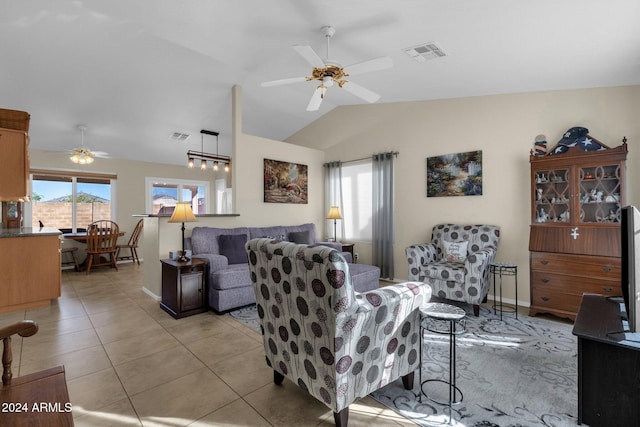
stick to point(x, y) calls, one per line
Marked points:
point(229, 283)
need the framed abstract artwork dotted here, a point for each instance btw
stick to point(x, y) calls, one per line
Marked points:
point(285, 182)
point(458, 174)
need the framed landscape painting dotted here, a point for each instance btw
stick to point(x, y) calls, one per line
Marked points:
point(458, 174)
point(285, 182)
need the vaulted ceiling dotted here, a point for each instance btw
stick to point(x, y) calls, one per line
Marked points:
point(136, 71)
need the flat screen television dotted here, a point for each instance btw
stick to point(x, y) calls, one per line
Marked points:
point(630, 237)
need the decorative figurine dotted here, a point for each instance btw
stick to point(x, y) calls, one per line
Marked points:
point(543, 217)
point(599, 196)
point(540, 145)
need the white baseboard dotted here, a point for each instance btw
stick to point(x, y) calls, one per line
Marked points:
point(151, 294)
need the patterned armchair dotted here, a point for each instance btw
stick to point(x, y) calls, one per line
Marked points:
point(461, 276)
point(334, 343)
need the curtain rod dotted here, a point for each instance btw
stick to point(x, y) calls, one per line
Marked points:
point(395, 154)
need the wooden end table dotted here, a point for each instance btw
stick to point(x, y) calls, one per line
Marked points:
point(184, 287)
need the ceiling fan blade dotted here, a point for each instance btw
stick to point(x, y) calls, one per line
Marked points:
point(101, 154)
point(361, 92)
point(375, 64)
point(283, 81)
point(309, 55)
point(316, 99)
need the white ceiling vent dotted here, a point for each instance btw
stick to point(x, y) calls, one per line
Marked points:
point(425, 51)
point(178, 136)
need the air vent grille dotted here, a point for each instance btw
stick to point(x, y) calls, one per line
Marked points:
point(425, 51)
point(179, 136)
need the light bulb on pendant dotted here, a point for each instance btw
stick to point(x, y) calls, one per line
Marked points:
point(226, 167)
point(190, 164)
point(215, 166)
point(203, 164)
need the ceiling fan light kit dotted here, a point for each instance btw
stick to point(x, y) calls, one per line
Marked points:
point(328, 72)
point(217, 159)
point(82, 155)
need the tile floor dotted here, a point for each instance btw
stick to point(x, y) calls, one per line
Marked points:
point(128, 363)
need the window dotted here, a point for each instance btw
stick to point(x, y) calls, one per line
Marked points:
point(163, 194)
point(70, 201)
point(357, 178)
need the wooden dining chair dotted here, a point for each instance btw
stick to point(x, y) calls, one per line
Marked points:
point(29, 392)
point(102, 242)
point(132, 245)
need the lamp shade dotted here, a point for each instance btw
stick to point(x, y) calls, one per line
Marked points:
point(183, 213)
point(334, 213)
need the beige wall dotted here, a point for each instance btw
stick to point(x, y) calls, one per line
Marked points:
point(503, 127)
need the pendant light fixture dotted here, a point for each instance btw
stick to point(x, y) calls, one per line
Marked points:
point(217, 159)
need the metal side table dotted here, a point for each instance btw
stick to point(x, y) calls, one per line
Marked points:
point(501, 269)
point(433, 316)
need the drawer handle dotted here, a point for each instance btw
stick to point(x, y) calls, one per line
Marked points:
point(544, 280)
point(544, 262)
point(607, 288)
point(545, 299)
point(607, 268)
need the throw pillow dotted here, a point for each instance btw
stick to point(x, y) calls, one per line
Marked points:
point(455, 251)
point(300, 237)
point(232, 246)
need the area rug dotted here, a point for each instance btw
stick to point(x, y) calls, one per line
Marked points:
point(512, 373)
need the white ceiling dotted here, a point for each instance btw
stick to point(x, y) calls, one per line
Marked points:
point(135, 71)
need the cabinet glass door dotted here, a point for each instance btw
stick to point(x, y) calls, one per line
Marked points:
point(552, 196)
point(600, 194)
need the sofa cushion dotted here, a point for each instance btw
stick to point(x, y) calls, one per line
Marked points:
point(300, 237)
point(273, 232)
point(310, 227)
point(234, 276)
point(455, 251)
point(204, 240)
point(364, 277)
point(232, 246)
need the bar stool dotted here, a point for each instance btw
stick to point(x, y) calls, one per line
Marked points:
point(72, 251)
point(504, 269)
point(432, 315)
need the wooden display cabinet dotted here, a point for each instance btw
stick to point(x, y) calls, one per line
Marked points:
point(184, 287)
point(574, 242)
point(14, 165)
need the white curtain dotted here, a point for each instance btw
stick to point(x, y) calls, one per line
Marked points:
point(333, 196)
point(383, 234)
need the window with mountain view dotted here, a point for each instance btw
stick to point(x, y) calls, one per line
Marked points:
point(70, 202)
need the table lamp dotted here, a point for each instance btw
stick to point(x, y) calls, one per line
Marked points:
point(183, 213)
point(334, 214)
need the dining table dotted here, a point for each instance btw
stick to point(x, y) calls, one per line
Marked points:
point(81, 236)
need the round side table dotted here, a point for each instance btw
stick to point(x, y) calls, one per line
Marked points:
point(504, 269)
point(432, 317)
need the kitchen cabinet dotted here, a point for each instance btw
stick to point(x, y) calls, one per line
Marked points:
point(14, 165)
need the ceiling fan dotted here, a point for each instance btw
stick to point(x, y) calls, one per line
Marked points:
point(329, 72)
point(83, 155)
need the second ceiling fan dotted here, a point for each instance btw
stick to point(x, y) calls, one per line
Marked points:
point(329, 72)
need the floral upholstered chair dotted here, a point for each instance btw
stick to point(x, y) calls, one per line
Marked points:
point(456, 262)
point(336, 344)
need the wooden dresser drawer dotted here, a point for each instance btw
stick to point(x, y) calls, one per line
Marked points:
point(574, 284)
point(549, 301)
point(577, 265)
